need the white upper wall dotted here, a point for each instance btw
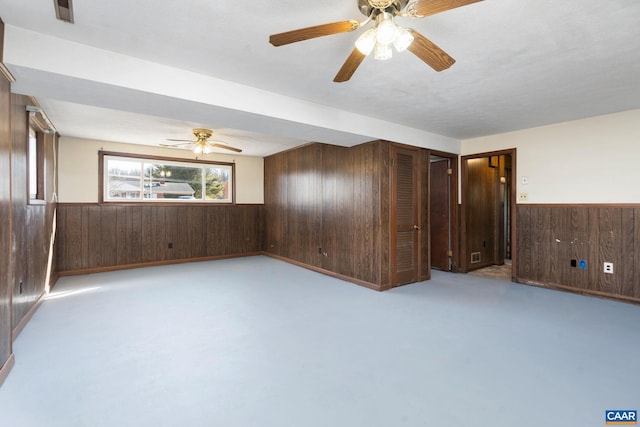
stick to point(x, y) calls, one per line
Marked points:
point(78, 169)
point(593, 160)
point(585, 161)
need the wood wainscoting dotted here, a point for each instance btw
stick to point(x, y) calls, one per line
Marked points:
point(32, 220)
point(98, 237)
point(327, 208)
point(5, 224)
point(332, 209)
point(554, 239)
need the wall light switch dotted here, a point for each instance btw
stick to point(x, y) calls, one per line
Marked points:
point(525, 180)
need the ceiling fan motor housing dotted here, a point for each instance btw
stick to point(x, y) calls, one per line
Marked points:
point(202, 134)
point(366, 7)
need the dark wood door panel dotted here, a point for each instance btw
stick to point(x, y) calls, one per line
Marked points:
point(405, 257)
point(405, 216)
point(439, 199)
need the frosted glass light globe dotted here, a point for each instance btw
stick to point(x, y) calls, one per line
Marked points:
point(403, 40)
point(382, 52)
point(366, 41)
point(387, 31)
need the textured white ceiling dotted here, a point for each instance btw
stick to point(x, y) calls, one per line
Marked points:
point(519, 64)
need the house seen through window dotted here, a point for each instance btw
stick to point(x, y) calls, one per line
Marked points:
point(129, 179)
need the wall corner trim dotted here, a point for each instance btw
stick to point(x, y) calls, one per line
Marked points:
point(6, 368)
point(6, 73)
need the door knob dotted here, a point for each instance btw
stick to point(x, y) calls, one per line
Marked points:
point(415, 227)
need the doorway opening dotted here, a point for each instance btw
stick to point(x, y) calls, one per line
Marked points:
point(488, 213)
point(443, 212)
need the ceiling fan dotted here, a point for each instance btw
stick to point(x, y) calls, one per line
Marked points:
point(201, 145)
point(383, 35)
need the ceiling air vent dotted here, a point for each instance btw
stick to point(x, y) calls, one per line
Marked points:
point(64, 10)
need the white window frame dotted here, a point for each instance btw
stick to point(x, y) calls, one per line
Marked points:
point(147, 185)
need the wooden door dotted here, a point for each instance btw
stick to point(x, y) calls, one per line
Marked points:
point(405, 219)
point(440, 215)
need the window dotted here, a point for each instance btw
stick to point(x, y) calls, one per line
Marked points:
point(35, 152)
point(129, 178)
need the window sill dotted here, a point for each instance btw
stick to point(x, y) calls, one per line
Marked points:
point(164, 203)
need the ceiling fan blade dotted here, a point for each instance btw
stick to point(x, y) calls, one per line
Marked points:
point(226, 147)
point(431, 7)
point(181, 140)
point(313, 32)
point(350, 66)
point(176, 145)
point(431, 54)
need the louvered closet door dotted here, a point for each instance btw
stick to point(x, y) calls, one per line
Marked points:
point(405, 236)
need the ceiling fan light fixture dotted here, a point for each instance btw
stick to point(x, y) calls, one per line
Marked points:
point(385, 36)
point(367, 41)
point(403, 39)
point(201, 144)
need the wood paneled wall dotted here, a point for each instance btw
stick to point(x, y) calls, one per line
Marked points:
point(550, 236)
point(328, 207)
point(31, 223)
point(93, 236)
point(5, 222)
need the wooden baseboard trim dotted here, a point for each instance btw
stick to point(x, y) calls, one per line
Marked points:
point(27, 317)
point(555, 286)
point(6, 368)
point(581, 205)
point(151, 264)
point(328, 272)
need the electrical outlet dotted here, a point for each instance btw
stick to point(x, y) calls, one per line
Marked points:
point(524, 197)
point(608, 267)
point(170, 245)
